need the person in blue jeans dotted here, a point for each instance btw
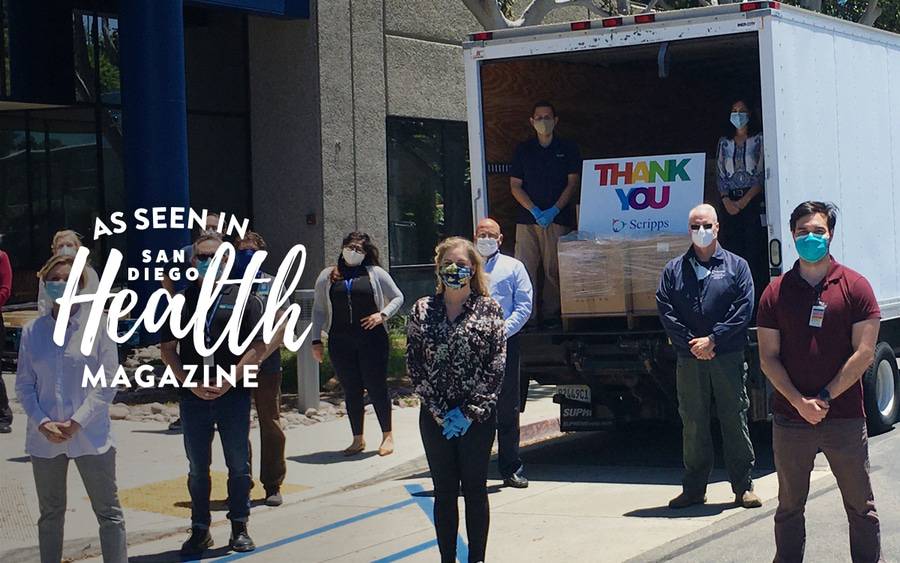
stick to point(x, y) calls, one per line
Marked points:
point(207, 409)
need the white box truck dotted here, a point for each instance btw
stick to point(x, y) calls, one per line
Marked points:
point(828, 94)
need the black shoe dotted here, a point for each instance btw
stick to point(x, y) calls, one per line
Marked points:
point(175, 425)
point(274, 498)
point(240, 540)
point(5, 428)
point(517, 480)
point(685, 500)
point(199, 542)
point(552, 324)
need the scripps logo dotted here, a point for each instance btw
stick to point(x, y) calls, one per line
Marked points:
point(618, 226)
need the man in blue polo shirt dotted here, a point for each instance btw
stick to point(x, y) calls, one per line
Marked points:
point(544, 180)
point(705, 301)
point(511, 288)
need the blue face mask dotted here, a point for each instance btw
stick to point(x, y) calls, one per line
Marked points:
point(203, 267)
point(812, 247)
point(740, 119)
point(55, 289)
point(241, 261)
point(455, 277)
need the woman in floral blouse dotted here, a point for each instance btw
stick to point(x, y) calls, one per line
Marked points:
point(456, 357)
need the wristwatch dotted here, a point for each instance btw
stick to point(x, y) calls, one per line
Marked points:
point(315, 342)
point(824, 395)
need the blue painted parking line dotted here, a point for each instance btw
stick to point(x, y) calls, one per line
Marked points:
point(427, 506)
point(317, 531)
point(408, 552)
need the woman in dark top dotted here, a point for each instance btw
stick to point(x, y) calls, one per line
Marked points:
point(740, 174)
point(456, 357)
point(353, 301)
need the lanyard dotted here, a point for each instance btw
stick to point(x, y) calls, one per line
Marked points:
point(210, 317)
point(349, 285)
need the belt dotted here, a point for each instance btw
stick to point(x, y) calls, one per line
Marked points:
point(737, 194)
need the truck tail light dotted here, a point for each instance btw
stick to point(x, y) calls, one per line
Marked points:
point(483, 36)
point(750, 6)
point(645, 18)
point(580, 26)
point(612, 22)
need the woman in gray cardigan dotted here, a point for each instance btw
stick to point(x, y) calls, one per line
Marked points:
point(353, 301)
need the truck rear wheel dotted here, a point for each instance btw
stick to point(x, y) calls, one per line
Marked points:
point(881, 385)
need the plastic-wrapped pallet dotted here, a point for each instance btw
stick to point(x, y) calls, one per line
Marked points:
point(602, 276)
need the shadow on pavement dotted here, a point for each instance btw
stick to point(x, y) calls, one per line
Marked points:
point(174, 555)
point(697, 511)
point(329, 458)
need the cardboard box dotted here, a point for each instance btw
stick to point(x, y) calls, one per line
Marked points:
point(591, 277)
point(646, 259)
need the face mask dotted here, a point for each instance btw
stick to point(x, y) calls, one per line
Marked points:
point(67, 251)
point(487, 246)
point(203, 267)
point(740, 119)
point(812, 247)
point(544, 126)
point(55, 289)
point(241, 261)
point(210, 233)
point(455, 277)
point(353, 257)
point(703, 237)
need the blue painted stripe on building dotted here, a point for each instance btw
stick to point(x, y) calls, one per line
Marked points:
point(281, 8)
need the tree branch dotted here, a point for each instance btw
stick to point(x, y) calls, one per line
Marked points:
point(535, 13)
point(873, 11)
point(488, 13)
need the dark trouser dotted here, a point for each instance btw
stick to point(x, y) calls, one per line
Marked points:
point(267, 398)
point(508, 404)
point(360, 359)
point(230, 415)
point(6, 415)
point(846, 446)
point(745, 235)
point(451, 462)
point(98, 473)
point(698, 382)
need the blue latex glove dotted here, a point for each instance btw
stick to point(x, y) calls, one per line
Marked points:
point(536, 212)
point(455, 424)
point(550, 214)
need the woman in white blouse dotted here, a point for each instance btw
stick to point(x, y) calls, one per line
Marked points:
point(740, 179)
point(68, 421)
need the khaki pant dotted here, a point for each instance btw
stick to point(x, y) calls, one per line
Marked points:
point(845, 443)
point(536, 248)
point(267, 398)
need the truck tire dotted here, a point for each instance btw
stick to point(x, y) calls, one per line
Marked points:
point(881, 386)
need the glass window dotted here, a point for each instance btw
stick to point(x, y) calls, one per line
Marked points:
point(84, 54)
point(108, 47)
point(429, 196)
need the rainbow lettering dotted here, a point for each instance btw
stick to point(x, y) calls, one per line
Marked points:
point(643, 172)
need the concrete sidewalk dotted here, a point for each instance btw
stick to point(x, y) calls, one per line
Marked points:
point(152, 470)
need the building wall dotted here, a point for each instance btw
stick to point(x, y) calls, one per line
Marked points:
point(286, 142)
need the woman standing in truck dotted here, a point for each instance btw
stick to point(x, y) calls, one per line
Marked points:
point(740, 179)
point(456, 358)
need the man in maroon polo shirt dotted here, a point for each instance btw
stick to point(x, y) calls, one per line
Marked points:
point(818, 324)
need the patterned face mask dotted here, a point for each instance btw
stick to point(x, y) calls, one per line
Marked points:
point(455, 277)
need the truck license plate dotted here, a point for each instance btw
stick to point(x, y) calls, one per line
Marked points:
point(580, 393)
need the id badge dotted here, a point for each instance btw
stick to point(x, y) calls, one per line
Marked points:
point(817, 315)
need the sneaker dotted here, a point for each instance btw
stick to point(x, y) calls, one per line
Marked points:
point(517, 480)
point(240, 540)
point(274, 498)
point(175, 425)
point(748, 499)
point(199, 542)
point(5, 428)
point(685, 500)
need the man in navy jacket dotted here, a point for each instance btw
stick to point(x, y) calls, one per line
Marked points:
point(705, 302)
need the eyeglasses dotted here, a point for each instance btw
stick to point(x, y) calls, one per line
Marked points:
point(706, 226)
point(202, 257)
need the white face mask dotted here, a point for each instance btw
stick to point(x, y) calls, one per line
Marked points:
point(487, 246)
point(353, 257)
point(703, 237)
point(67, 251)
